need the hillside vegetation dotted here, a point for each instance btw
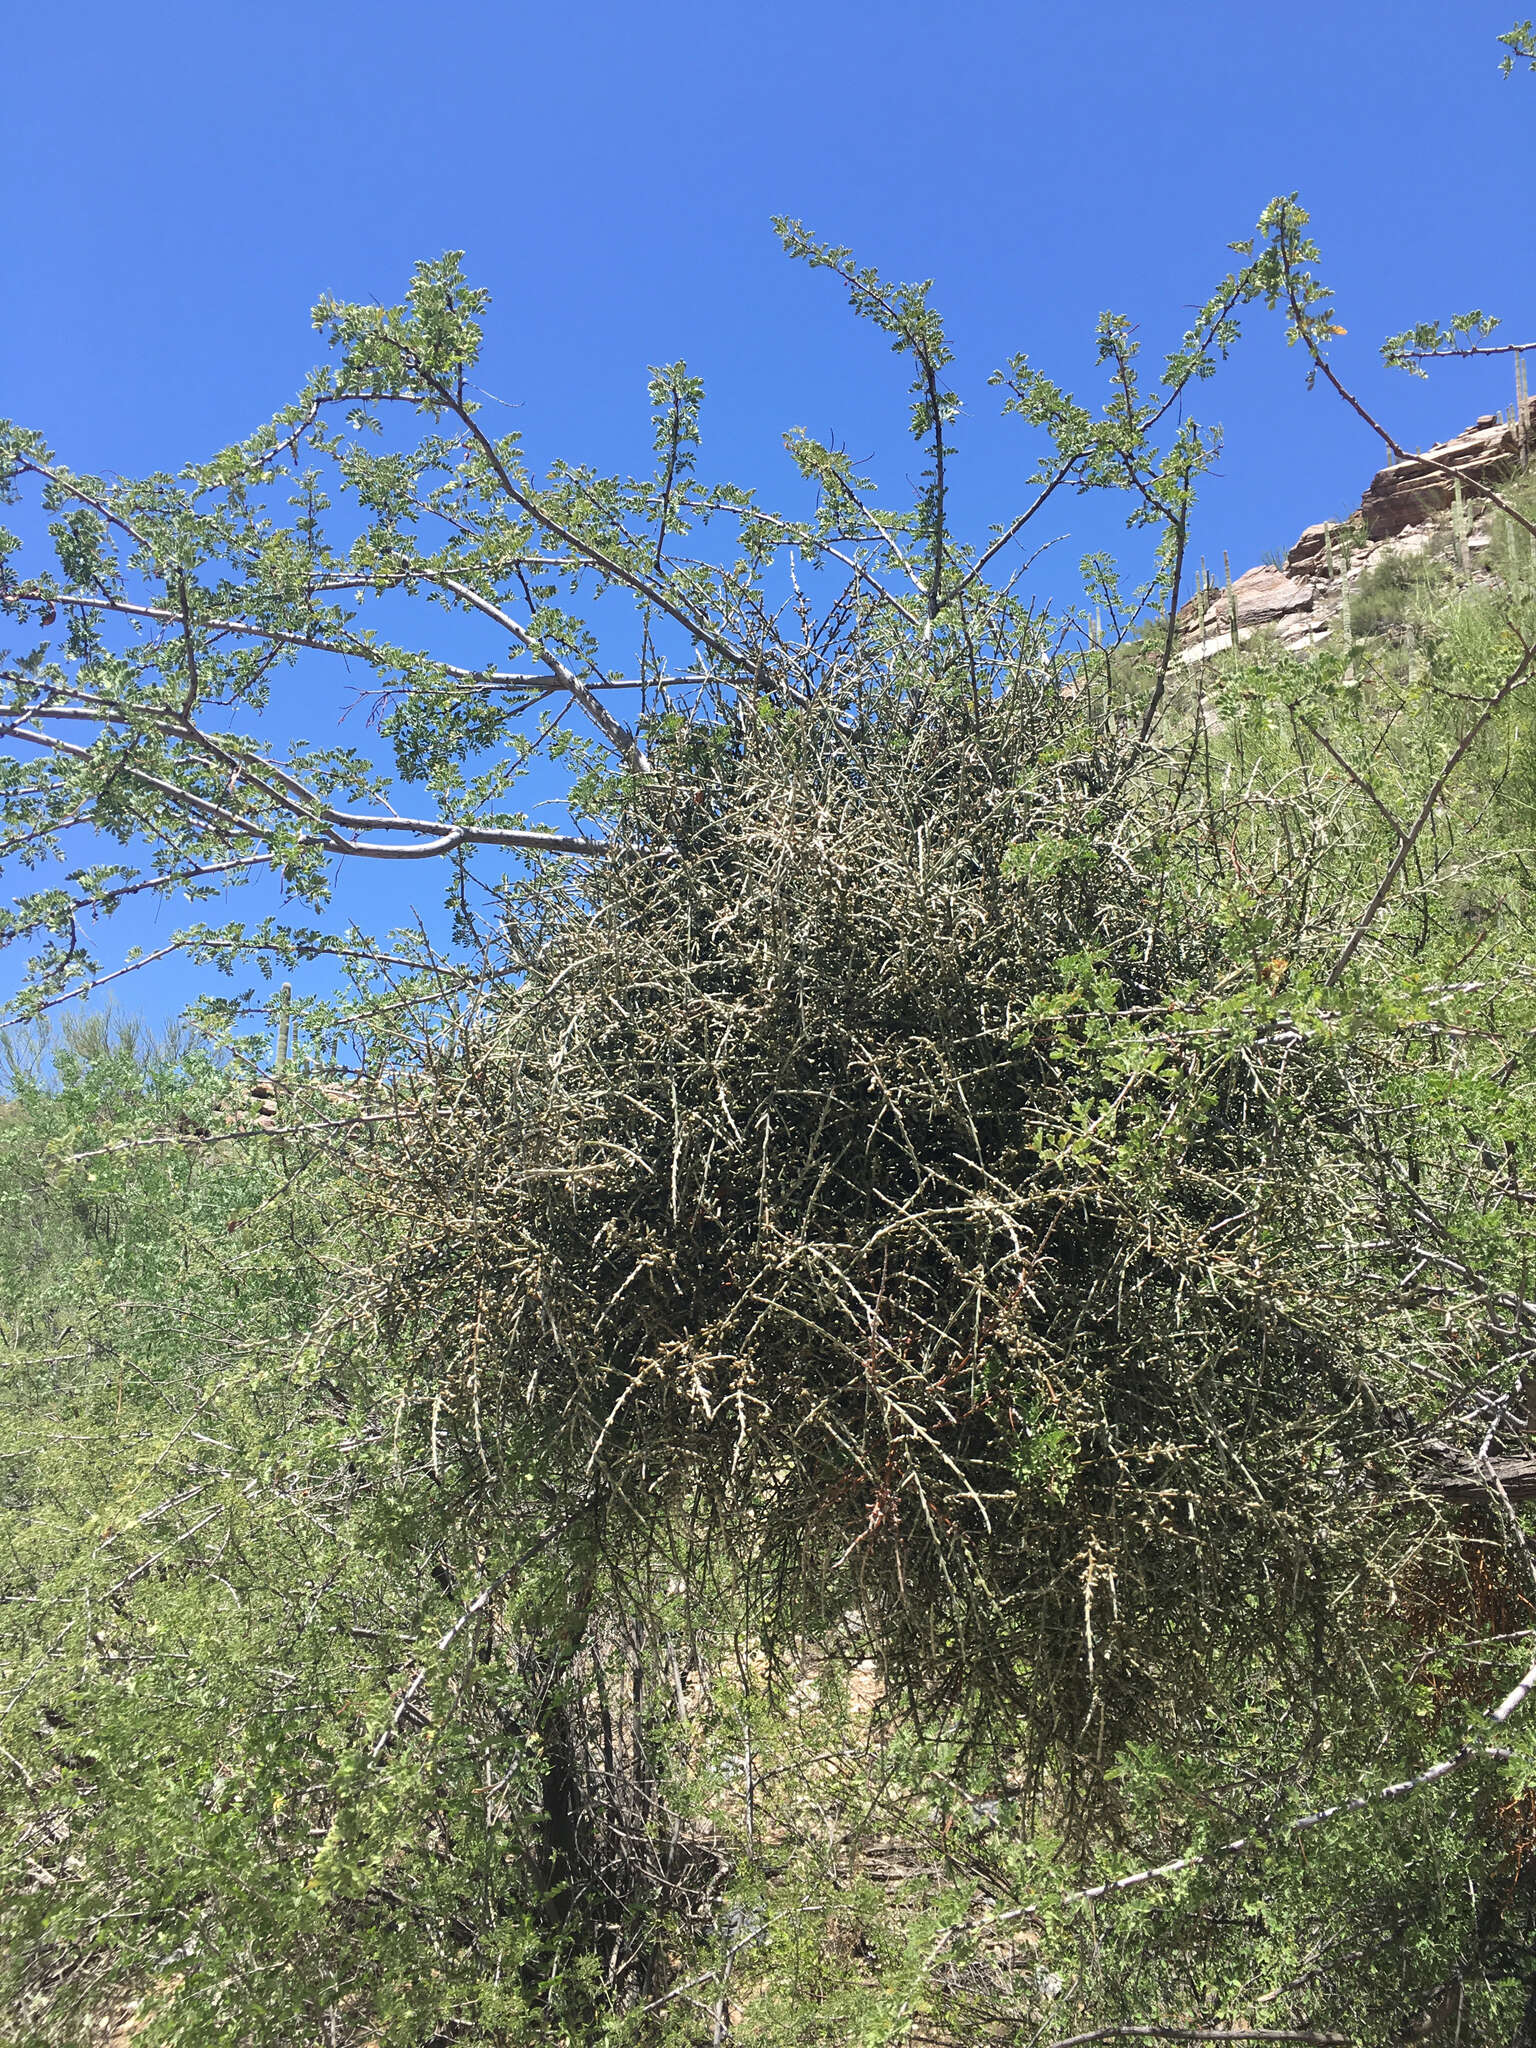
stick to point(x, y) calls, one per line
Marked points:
point(915, 1359)
point(892, 1404)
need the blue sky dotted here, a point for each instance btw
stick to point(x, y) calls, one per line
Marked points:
point(181, 181)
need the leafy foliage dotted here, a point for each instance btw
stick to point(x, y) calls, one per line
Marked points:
point(171, 608)
point(1519, 41)
point(895, 1406)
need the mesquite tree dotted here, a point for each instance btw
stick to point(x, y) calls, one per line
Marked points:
point(979, 1153)
point(181, 618)
point(152, 654)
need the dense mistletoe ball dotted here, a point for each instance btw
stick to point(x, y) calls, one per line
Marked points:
point(858, 1180)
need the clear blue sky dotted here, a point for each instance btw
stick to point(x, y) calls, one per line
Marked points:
point(181, 181)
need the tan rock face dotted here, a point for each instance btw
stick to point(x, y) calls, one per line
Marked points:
point(1408, 493)
point(1309, 557)
point(1402, 513)
point(1261, 597)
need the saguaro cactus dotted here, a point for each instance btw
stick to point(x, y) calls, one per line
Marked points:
point(284, 1005)
point(1459, 529)
point(1338, 567)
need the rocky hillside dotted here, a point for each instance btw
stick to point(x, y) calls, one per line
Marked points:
point(1413, 509)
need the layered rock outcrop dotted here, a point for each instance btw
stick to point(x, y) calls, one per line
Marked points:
point(1405, 511)
point(1409, 493)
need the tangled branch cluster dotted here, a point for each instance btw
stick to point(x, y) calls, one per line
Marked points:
point(856, 1183)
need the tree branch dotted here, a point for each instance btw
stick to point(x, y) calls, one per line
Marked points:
point(445, 833)
point(360, 650)
point(1409, 838)
point(597, 556)
point(1469, 482)
point(1158, 2033)
point(617, 734)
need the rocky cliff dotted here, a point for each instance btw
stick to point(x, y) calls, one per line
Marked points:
point(1411, 508)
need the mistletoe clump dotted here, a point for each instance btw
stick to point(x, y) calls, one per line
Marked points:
point(881, 1174)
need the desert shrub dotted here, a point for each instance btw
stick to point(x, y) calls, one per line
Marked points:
point(1385, 597)
point(1510, 555)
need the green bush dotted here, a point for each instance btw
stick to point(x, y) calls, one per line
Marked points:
point(1392, 591)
